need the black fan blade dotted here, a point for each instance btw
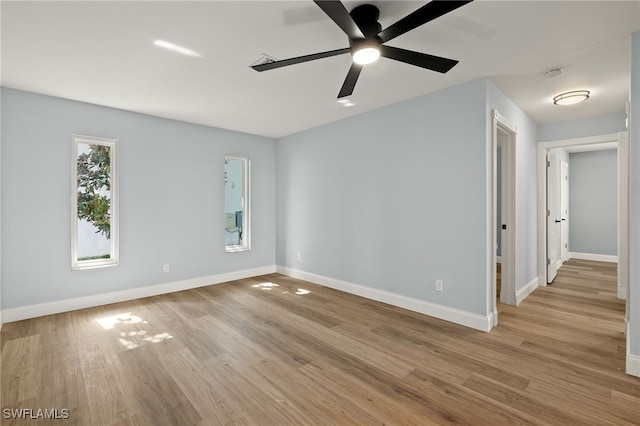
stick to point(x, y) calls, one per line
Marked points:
point(338, 14)
point(426, 13)
point(350, 81)
point(430, 62)
point(299, 59)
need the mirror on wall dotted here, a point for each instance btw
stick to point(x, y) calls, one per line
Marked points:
point(236, 204)
point(94, 229)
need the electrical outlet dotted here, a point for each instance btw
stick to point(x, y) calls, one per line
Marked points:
point(298, 257)
point(439, 286)
point(165, 267)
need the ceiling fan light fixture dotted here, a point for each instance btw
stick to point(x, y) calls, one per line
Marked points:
point(571, 98)
point(366, 53)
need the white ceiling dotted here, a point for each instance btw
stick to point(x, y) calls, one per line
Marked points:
point(102, 53)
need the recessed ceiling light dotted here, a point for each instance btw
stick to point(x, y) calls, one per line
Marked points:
point(348, 104)
point(176, 48)
point(571, 98)
point(343, 101)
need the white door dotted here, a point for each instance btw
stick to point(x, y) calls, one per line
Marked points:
point(553, 217)
point(564, 211)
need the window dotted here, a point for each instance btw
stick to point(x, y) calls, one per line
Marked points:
point(94, 203)
point(237, 213)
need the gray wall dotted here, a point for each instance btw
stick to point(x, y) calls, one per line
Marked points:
point(590, 126)
point(593, 202)
point(526, 184)
point(633, 297)
point(171, 181)
point(396, 198)
point(392, 199)
point(1, 128)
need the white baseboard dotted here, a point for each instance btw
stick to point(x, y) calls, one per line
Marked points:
point(593, 256)
point(468, 319)
point(48, 308)
point(526, 290)
point(633, 365)
point(622, 293)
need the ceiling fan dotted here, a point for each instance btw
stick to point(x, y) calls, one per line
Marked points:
point(366, 39)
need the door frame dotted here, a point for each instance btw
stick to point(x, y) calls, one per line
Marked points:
point(552, 210)
point(508, 212)
point(564, 211)
point(623, 218)
point(621, 139)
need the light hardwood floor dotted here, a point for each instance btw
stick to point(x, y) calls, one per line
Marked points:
point(274, 350)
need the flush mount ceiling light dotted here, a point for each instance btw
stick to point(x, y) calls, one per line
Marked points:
point(571, 98)
point(176, 48)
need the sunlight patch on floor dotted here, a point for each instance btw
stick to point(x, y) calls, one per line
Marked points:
point(131, 339)
point(265, 286)
point(127, 318)
point(270, 286)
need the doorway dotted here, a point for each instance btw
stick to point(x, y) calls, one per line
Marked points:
point(619, 140)
point(504, 223)
point(546, 197)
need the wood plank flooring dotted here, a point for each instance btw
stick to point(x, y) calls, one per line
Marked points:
point(274, 350)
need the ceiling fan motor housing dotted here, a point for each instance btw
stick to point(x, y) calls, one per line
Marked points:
point(366, 18)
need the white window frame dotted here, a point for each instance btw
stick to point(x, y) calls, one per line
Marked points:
point(113, 194)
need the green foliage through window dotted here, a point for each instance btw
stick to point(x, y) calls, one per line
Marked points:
point(94, 185)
